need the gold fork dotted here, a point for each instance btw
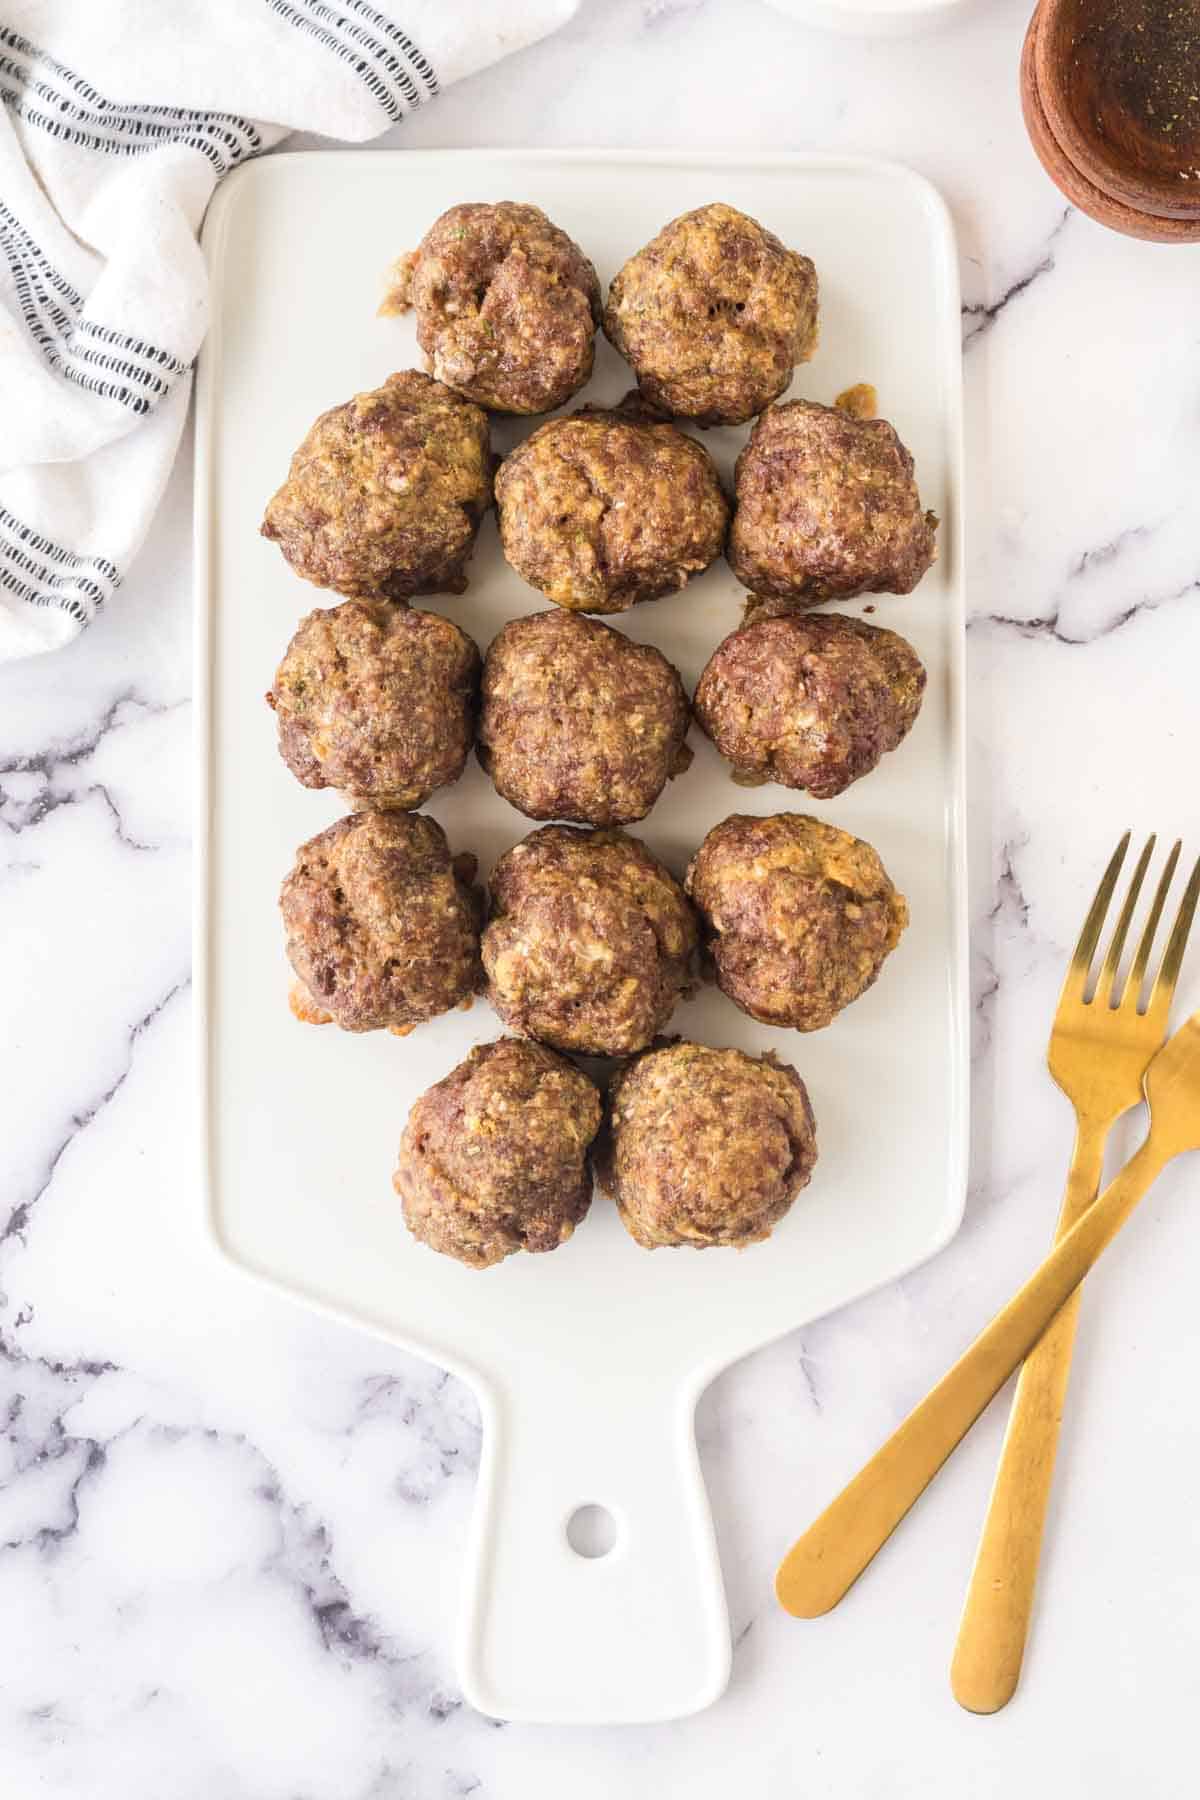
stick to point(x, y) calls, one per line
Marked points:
point(1100, 1048)
point(830, 1556)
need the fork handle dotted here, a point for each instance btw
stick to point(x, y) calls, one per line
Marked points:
point(834, 1551)
point(995, 1621)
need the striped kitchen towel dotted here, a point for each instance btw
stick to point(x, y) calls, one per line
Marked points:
point(118, 120)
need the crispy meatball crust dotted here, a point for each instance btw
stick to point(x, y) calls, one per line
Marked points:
point(494, 1159)
point(385, 495)
point(507, 306)
point(378, 701)
point(811, 700)
point(705, 1146)
point(601, 510)
point(578, 722)
point(591, 941)
point(827, 507)
point(382, 924)
point(799, 916)
point(713, 315)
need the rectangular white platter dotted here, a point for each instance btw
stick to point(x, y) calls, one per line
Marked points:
point(587, 1363)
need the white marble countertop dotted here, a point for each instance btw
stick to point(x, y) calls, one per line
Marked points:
point(230, 1533)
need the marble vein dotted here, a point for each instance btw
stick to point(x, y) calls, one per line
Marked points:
point(986, 985)
point(1049, 627)
point(809, 1378)
point(52, 766)
point(1008, 914)
point(447, 1436)
point(984, 314)
point(305, 1560)
point(17, 1223)
point(45, 1467)
point(1010, 899)
point(1100, 554)
point(66, 753)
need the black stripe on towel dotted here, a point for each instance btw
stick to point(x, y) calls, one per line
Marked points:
point(79, 585)
point(389, 65)
point(19, 531)
point(132, 346)
point(389, 29)
point(41, 315)
point(54, 99)
point(398, 76)
point(32, 597)
point(91, 589)
point(55, 327)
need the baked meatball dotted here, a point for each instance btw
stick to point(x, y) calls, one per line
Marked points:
point(494, 1159)
point(591, 941)
point(827, 507)
point(377, 701)
point(382, 923)
point(799, 916)
point(705, 1146)
point(385, 494)
point(713, 315)
point(601, 510)
point(578, 722)
point(507, 306)
point(811, 700)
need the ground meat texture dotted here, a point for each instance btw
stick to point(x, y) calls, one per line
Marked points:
point(494, 1159)
point(578, 722)
point(507, 306)
point(378, 701)
point(705, 1146)
point(811, 700)
point(827, 507)
point(382, 924)
point(385, 494)
point(799, 916)
point(713, 315)
point(591, 941)
point(601, 510)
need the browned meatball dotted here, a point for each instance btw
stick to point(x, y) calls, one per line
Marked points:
point(591, 941)
point(494, 1159)
point(507, 306)
point(602, 510)
point(382, 924)
point(578, 722)
point(827, 507)
point(377, 701)
point(385, 494)
point(713, 315)
point(811, 700)
point(705, 1146)
point(799, 916)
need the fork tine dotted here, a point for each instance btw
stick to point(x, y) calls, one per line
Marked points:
point(1108, 975)
point(1141, 962)
point(1089, 937)
point(1168, 970)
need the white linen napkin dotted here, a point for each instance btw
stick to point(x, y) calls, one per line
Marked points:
point(118, 120)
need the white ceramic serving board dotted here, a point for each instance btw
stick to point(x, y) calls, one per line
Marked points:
point(587, 1363)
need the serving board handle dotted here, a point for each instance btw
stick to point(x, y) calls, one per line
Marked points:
point(638, 1634)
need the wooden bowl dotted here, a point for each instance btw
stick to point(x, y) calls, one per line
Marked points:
point(1119, 81)
point(1091, 198)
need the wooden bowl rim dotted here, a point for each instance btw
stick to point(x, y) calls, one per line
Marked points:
point(1071, 181)
point(1114, 179)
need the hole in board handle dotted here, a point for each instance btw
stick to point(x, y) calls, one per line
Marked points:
point(591, 1531)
